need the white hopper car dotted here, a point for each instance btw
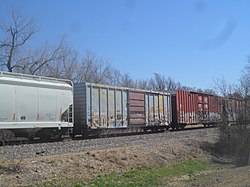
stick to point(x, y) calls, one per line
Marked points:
point(35, 106)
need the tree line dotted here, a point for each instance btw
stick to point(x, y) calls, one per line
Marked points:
point(62, 61)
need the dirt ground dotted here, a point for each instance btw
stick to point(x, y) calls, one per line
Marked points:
point(99, 162)
point(223, 176)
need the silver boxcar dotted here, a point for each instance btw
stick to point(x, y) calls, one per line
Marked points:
point(31, 103)
point(98, 106)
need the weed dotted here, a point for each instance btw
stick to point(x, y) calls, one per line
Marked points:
point(144, 176)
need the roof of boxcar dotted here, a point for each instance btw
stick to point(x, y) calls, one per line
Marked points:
point(173, 92)
point(124, 88)
point(23, 79)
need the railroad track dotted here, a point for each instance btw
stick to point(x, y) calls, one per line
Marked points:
point(23, 141)
point(83, 145)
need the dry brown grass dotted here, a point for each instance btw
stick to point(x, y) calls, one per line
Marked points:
point(92, 164)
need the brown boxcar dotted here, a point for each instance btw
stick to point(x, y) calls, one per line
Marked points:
point(193, 108)
point(233, 107)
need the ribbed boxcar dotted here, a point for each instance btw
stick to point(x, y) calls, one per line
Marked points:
point(233, 108)
point(100, 107)
point(35, 106)
point(191, 108)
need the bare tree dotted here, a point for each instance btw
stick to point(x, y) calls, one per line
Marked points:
point(243, 91)
point(172, 85)
point(64, 64)
point(127, 81)
point(14, 36)
point(234, 140)
point(16, 56)
point(115, 77)
point(40, 61)
point(223, 87)
point(161, 83)
point(158, 82)
point(143, 84)
point(209, 91)
point(93, 69)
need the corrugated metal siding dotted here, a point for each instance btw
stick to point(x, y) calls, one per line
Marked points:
point(103, 106)
point(136, 108)
point(158, 109)
point(215, 108)
point(106, 106)
point(186, 106)
point(234, 108)
point(149, 108)
point(193, 107)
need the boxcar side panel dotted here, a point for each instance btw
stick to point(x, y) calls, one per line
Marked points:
point(137, 108)
point(106, 106)
point(193, 107)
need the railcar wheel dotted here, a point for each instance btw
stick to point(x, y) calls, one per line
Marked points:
point(50, 134)
point(72, 135)
point(182, 126)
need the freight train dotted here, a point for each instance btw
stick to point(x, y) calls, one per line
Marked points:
point(44, 107)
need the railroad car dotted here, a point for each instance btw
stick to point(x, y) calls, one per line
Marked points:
point(35, 106)
point(192, 108)
point(101, 107)
point(232, 109)
point(44, 107)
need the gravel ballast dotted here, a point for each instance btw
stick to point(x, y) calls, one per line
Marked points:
point(75, 146)
point(59, 162)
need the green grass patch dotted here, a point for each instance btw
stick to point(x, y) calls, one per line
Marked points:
point(146, 176)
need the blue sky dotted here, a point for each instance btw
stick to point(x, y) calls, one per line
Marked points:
point(193, 41)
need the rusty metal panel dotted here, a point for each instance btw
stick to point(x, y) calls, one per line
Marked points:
point(137, 108)
point(187, 106)
point(139, 96)
point(137, 115)
point(137, 103)
point(215, 108)
point(137, 121)
point(177, 102)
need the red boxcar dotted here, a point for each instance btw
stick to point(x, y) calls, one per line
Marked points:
point(233, 107)
point(193, 108)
